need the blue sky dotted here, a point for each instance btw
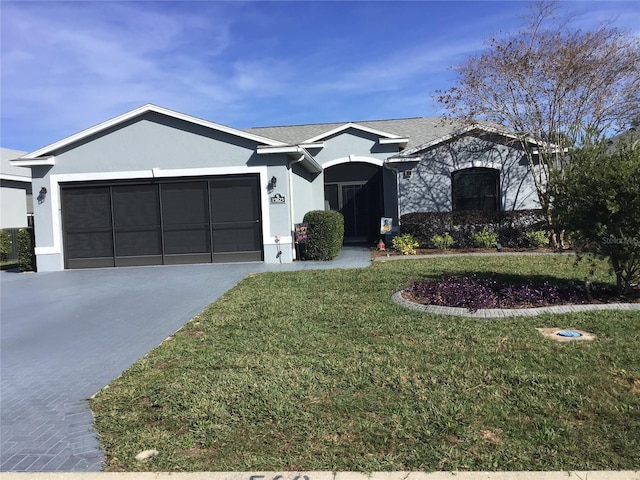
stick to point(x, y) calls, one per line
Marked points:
point(69, 65)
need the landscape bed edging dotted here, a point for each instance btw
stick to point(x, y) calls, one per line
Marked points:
point(492, 313)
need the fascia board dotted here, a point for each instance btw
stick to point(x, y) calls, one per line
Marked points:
point(267, 149)
point(14, 178)
point(391, 141)
point(26, 161)
point(346, 126)
point(140, 111)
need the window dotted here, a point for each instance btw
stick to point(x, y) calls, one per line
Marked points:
point(475, 189)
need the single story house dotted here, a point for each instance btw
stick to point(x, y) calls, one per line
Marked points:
point(16, 205)
point(155, 186)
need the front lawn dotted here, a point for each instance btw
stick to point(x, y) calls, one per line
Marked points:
point(320, 370)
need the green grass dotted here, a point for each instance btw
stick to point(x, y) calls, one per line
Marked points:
point(319, 370)
point(8, 265)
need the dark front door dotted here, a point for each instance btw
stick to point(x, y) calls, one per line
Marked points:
point(165, 222)
point(359, 203)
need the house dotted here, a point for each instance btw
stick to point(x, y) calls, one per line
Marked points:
point(154, 186)
point(16, 205)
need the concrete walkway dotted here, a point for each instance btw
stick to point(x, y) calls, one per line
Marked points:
point(65, 335)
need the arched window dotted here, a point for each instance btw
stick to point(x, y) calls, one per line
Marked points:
point(475, 189)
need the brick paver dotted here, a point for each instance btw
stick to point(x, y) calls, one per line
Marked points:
point(65, 335)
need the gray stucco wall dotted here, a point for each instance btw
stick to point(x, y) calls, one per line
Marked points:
point(353, 142)
point(155, 141)
point(429, 187)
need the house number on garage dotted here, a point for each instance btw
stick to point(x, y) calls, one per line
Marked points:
point(278, 199)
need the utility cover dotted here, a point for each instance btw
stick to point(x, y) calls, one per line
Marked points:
point(569, 333)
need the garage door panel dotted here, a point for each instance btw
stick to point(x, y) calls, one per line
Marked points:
point(185, 203)
point(90, 244)
point(136, 206)
point(187, 240)
point(135, 242)
point(234, 238)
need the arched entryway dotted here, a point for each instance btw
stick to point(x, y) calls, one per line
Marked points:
point(355, 189)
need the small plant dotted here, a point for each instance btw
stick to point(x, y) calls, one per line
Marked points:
point(405, 244)
point(484, 239)
point(25, 250)
point(537, 239)
point(474, 293)
point(443, 241)
point(5, 245)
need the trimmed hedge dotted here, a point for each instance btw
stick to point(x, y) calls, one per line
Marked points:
point(326, 233)
point(511, 227)
point(26, 257)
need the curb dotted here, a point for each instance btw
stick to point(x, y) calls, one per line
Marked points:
point(562, 475)
point(493, 313)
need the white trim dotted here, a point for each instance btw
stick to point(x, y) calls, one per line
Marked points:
point(353, 158)
point(27, 161)
point(312, 145)
point(141, 111)
point(15, 178)
point(267, 149)
point(347, 126)
point(475, 164)
point(56, 207)
point(391, 141)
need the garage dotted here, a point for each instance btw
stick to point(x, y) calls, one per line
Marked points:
point(162, 221)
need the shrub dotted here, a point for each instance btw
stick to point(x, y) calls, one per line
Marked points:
point(484, 239)
point(25, 250)
point(443, 241)
point(510, 226)
point(325, 235)
point(539, 238)
point(5, 245)
point(405, 244)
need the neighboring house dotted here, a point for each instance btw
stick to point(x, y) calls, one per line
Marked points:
point(16, 205)
point(154, 186)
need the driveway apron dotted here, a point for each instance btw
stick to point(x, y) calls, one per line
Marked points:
point(65, 335)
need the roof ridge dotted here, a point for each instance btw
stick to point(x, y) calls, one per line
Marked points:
point(343, 123)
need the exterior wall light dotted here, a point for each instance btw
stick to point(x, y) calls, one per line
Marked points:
point(42, 195)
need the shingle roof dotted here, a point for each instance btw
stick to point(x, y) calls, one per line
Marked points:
point(418, 130)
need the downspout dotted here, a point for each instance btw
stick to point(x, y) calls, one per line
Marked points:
point(290, 165)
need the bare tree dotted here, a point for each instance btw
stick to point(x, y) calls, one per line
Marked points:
point(548, 84)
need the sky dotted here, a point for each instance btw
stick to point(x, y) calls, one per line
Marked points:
point(66, 66)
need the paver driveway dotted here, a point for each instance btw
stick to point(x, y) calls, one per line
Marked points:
point(65, 335)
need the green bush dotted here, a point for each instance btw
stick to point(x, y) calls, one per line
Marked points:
point(509, 225)
point(483, 239)
point(5, 245)
point(326, 233)
point(539, 238)
point(443, 241)
point(405, 244)
point(25, 250)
